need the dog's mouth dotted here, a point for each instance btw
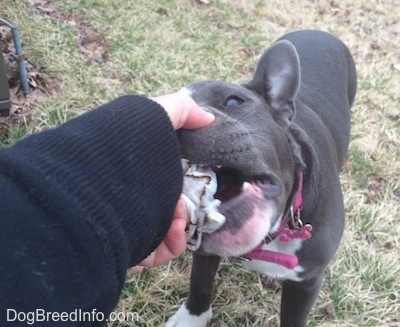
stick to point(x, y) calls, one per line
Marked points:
point(228, 206)
point(232, 183)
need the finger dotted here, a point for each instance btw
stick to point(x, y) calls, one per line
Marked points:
point(198, 118)
point(175, 241)
point(173, 245)
point(183, 110)
point(181, 211)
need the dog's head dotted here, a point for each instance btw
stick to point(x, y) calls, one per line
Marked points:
point(250, 149)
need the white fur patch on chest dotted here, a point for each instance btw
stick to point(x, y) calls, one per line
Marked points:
point(275, 270)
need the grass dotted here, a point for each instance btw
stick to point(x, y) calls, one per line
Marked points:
point(101, 49)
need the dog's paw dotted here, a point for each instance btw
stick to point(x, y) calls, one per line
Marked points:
point(183, 318)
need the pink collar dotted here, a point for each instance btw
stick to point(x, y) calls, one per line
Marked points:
point(291, 228)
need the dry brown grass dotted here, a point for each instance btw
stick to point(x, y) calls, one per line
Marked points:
point(152, 47)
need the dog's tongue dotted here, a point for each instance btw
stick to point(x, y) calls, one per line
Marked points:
point(199, 187)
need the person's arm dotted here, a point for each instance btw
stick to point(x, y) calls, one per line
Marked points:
point(81, 203)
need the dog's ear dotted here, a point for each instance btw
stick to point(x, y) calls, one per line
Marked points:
point(277, 79)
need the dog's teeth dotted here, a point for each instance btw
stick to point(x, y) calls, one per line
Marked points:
point(185, 165)
point(245, 186)
point(214, 221)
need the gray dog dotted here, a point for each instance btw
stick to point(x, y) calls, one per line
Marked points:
point(276, 146)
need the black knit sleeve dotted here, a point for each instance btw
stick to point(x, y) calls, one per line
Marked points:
point(81, 203)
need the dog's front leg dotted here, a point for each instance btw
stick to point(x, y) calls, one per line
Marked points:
point(196, 310)
point(297, 301)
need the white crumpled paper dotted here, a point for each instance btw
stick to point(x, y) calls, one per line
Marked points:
point(199, 187)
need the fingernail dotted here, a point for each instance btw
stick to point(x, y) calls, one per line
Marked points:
point(211, 116)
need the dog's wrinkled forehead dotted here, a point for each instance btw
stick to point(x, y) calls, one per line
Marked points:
point(222, 96)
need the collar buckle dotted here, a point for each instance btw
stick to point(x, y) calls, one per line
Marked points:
point(295, 218)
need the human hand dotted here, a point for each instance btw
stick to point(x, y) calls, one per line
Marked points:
point(184, 111)
point(174, 244)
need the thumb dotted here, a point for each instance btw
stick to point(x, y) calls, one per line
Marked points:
point(198, 118)
point(183, 111)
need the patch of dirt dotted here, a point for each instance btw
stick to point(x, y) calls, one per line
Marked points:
point(90, 41)
point(327, 311)
point(271, 284)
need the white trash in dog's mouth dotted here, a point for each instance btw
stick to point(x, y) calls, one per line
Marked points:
point(199, 187)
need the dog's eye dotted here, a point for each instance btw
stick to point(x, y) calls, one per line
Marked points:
point(233, 101)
